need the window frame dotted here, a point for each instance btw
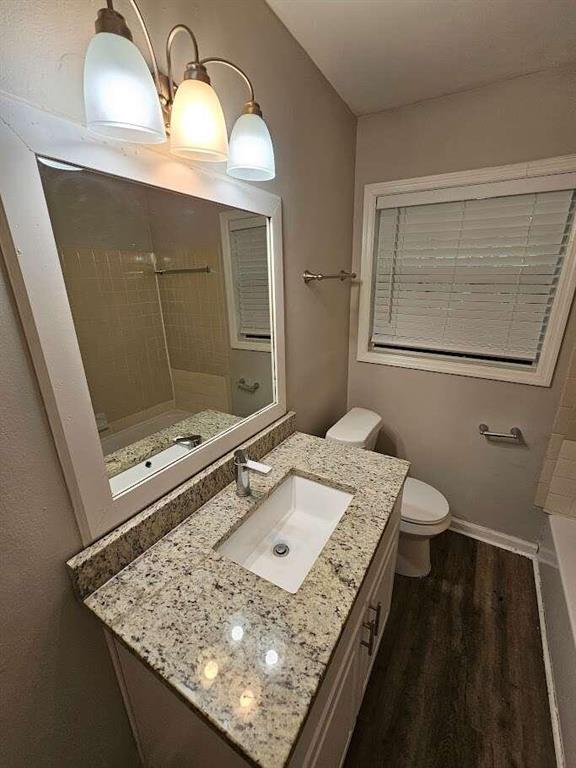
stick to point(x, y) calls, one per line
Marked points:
point(236, 339)
point(522, 178)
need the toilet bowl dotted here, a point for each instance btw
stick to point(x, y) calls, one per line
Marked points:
point(425, 511)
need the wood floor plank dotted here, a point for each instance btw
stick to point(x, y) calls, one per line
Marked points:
point(459, 680)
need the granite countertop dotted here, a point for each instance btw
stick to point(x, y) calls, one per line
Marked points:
point(243, 652)
point(207, 424)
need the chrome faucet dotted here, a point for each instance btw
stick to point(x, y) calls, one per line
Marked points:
point(242, 467)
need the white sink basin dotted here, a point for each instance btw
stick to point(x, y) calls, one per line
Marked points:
point(300, 514)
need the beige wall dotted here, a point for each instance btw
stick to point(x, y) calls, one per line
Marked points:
point(432, 419)
point(63, 705)
point(59, 701)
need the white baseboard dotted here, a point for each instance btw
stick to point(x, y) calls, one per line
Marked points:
point(496, 538)
point(554, 713)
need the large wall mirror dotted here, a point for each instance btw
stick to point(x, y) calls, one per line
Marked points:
point(160, 293)
point(170, 300)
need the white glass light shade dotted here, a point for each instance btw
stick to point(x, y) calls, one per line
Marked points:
point(197, 125)
point(120, 97)
point(251, 155)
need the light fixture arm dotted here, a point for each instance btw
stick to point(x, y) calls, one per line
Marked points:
point(231, 65)
point(148, 39)
point(169, 43)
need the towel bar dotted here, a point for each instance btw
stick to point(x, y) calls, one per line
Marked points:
point(307, 276)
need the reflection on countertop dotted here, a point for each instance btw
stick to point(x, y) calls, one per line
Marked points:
point(243, 652)
point(207, 424)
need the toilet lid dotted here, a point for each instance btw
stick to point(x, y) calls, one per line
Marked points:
point(423, 504)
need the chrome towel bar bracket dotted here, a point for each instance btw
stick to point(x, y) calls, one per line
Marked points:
point(307, 276)
point(245, 387)
point(514, 434)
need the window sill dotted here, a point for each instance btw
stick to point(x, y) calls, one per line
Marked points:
point(255, 346)
point(540, 376)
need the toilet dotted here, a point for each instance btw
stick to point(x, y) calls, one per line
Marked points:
point(425, 511)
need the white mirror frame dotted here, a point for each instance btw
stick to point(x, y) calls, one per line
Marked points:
point(30, 251)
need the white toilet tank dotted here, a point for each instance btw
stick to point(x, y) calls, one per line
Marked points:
point(359, 428)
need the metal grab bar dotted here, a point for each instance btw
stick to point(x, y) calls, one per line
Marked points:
point(514, 434)
point(307, 276)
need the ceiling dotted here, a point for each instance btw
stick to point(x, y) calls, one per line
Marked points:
point(380, 54)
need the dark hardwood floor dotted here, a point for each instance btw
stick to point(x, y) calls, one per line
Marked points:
point(459, 680)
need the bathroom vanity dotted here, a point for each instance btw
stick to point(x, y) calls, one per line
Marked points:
point(222, 666)
point(225, 655)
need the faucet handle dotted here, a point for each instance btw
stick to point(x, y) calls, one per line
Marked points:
point(241, 460)
point(256, 466)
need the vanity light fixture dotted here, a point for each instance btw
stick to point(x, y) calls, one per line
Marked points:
point(124, 101)
point(120, 97)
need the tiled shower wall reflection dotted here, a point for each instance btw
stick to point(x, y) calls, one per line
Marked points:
point(557, 485)
point(118, 320)
point(150, 343)
point(194, 304)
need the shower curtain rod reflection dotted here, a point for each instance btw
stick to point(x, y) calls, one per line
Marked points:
point(182, 270)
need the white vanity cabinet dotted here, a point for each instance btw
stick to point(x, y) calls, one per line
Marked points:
point(170, 735)
point(330, 724)
point(377, 610)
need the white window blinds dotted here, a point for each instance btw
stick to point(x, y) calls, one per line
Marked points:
point(473, 278)
point(249, 257)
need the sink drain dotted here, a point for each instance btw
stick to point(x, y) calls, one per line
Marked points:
point(281, 549)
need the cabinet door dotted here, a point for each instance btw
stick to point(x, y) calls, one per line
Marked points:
point(376, 614)
point(329, 728)
point(341, 719)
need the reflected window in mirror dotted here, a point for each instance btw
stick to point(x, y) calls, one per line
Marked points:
point(156, 281)
point(245, 254)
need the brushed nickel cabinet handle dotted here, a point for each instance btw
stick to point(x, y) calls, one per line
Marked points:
point(370, 643)
point(377, 619)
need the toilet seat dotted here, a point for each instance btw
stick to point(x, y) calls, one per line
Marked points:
point(423, 507)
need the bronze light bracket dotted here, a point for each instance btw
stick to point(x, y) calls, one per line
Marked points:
point(109, 20)
point(196, 69)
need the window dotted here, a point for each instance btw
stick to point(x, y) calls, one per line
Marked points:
point(474, 279)
point(245, 253)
